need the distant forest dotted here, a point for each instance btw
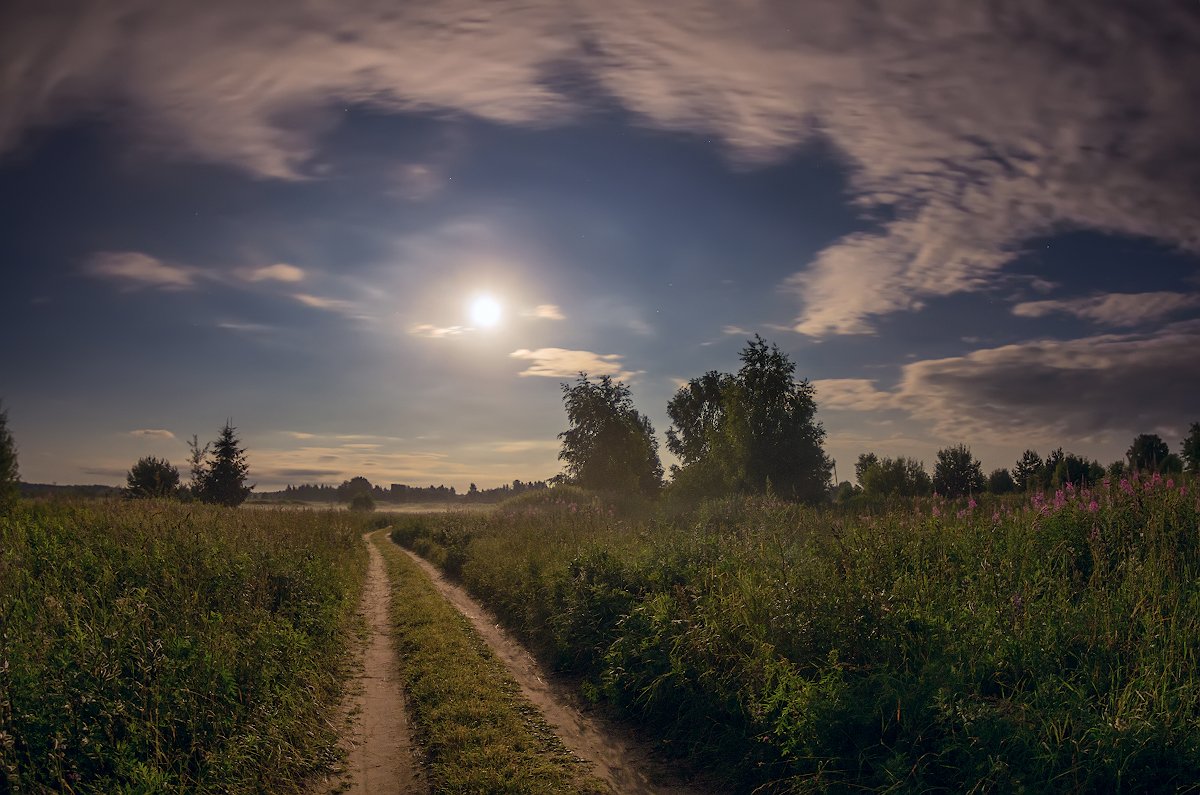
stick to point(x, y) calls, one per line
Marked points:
point(396, 492)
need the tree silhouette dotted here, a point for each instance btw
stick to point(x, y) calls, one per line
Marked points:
point(610, 446)
point(1028, 471)
point(223, 479)
point(1000, 482)
point(1148, 451)
point(957, 472)
point(892, 477)
point(152, 477)
point(1190, 449)
point(9, 473)
point(750, 432)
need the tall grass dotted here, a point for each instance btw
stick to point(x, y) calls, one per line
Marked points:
point(153, 646)
point(1042, 645)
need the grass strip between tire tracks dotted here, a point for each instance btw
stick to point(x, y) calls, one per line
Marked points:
point(478, 733)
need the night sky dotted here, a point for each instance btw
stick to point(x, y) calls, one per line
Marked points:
point(378, 235)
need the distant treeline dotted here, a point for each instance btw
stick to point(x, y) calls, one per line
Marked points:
point(55, 490)
point(397, 492)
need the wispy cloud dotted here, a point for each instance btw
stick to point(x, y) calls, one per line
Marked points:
point(245, 328)
point(526, 445)
point(279, 272)
point(564, 363)
point(1073, 132)
point(545, 312)
point(734, 331)
point(135, 269)
point(1114, 309)
point(436, 332)
point(152, 433)
point(856, 394)
point(327, 304)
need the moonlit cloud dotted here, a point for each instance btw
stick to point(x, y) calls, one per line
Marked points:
point(1078, 388)
point(734, 331)
point(563, 363)
point(856, 394)
point(152, 433)
point(279, 272)
point(1114, 309)
point(436, 332)
point(135, 269)
point(321, 302)
point(970, 134)
point(545, 312)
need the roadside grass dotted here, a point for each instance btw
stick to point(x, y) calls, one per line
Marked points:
point(1044, 643)
point(478, 733)
point(156, 646)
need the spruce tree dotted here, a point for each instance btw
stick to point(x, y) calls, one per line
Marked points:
point(224, 478)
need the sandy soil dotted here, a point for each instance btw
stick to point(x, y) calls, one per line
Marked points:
point(378, 741)
point(618, 759)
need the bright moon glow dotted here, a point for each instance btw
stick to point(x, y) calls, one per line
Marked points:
point(485, 311)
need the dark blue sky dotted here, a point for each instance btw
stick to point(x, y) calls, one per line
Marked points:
point(960, 232)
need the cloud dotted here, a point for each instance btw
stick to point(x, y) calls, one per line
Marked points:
point(245, 328)
point(564, 363)
point(855, 394)
point(139, 270)
point(526, 445)
point(1066, 389)
point(734, 331)
point(545, 312)
point(436, 332)
point(152, 433)
point(279, 272)
point(1114, 309)
point(327, 304)
point(966, 129)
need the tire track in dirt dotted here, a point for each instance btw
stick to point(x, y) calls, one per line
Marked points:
point(379, 743)
point(618, 760)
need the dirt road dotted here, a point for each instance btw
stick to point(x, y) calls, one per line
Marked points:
point(617, 758)
point(379, 743)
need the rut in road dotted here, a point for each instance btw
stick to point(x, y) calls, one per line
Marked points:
point(618, 760)
point(379, 746)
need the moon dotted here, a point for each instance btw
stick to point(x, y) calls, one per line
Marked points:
point(485, 311)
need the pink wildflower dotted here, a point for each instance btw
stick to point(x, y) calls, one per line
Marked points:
point(971, 502)
point(1170, 483)
point(1125, 487)
point(1093, 506)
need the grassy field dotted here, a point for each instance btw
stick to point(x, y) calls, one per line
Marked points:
point(154, 647)
point(1047, 643)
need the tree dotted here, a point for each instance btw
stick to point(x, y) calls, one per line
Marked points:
point(1148, 452)
point(1116, 469)
point(1076, 469)
point(957, 472)
point(1189, 449)
point(1000, 482)
point(152, 477)
point(197, 465)
point(9, 473)
point(352, 488)
point(1028, 471)
point(223, 478)
point(697, 414)
point(753, 431)
point(892, 477)
point(610, 446)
